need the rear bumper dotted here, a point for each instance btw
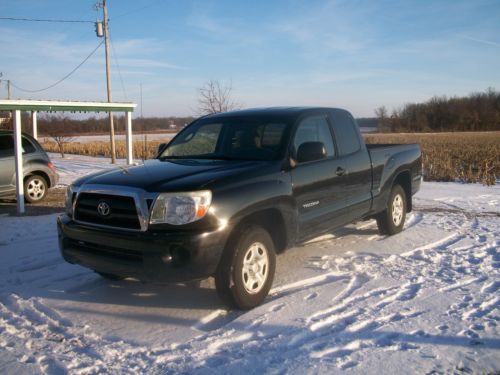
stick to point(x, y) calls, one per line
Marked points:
point(54, 179)
point(148, 256)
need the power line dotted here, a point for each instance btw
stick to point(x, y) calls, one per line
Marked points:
point(65, 77)
point(43, 20)
point(118, 66)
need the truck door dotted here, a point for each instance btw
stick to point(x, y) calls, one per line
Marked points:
point(318, 186)
point(352, 151)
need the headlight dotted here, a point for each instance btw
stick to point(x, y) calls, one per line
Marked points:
point(69, 200)
point(180, 208)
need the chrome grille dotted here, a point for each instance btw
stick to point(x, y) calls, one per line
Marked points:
point(123, 211)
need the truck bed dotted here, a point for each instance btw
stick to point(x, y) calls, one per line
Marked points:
point(385, 158)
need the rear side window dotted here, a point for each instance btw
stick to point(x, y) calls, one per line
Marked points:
point(270, 134)
point(345, 132)
point(314, 129)
point(28, 147)
point(6, 145)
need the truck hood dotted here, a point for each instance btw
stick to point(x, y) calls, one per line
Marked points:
point(162, 175)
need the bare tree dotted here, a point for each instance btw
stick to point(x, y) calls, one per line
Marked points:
point(215, 97)
point(61, 141)
point(382, 118)
point(58, 132)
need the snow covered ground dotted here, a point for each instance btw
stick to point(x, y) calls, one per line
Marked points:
point(424, 301)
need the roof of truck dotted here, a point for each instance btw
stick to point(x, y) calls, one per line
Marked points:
point(273, 111)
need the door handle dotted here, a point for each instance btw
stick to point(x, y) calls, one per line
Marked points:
point(340, 171)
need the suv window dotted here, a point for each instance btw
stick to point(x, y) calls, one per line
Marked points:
point(28, 147)
point(314, 129)
point(345, 132)
point(6, 146)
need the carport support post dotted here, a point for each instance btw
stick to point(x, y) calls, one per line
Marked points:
point(34, 122)
point(130, 156)
point(19, 162)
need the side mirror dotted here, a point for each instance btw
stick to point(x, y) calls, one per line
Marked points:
point(161, 148)
point(310, 151)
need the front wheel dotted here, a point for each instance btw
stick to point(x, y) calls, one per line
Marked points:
point(392, 219)
point(246, 271)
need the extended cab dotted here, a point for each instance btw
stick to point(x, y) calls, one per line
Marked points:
point(229, 192)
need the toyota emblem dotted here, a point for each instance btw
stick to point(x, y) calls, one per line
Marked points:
point(103, 209)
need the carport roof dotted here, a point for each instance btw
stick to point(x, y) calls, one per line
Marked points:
point(68, 106)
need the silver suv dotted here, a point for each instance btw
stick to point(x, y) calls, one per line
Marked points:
point(39, 173)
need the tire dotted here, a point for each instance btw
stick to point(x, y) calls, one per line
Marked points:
point(246, 271)
point(35, 189)
point(110, 276)
point(392, 219)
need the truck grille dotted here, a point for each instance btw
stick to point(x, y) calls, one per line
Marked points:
point(122, 210)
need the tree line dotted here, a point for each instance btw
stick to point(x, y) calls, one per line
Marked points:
point(476, 112)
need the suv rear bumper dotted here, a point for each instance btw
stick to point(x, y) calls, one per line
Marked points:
point(54, 179)
point(148, 256)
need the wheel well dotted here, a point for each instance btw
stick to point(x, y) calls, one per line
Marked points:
point(270, 220)
point(404, 180)
point(38, 173)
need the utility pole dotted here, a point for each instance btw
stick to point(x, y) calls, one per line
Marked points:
point(108, 82)
point(8, 85)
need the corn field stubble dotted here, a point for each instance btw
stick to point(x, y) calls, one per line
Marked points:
point(142, 150)
point(465, 157)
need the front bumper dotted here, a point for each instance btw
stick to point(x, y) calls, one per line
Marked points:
point(148, 256)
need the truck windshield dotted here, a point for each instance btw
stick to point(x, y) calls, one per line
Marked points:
point(228, 138)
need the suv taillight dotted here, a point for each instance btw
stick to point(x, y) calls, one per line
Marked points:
point(51, 166)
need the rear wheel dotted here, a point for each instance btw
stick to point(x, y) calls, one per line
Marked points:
point(246, 271)
point(392, 219)
point(35, 188)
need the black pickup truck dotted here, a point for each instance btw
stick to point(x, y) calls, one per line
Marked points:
point(232, 190)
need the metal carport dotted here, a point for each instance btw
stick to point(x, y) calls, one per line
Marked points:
point(34, 106)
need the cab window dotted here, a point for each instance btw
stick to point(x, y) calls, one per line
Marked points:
point(314, 129)
point(345, 132)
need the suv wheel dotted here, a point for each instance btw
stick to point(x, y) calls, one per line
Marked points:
point(35, 188)
point(392, 219)
point(246, 270)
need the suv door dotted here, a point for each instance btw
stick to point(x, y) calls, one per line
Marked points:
point(318, 186)
point(6, 162)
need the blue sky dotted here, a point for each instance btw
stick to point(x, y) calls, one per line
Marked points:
point(358, 55)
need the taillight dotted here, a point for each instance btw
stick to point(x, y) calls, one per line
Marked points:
point(51, 166)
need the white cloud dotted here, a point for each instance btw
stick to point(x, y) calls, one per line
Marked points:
point(483, 41)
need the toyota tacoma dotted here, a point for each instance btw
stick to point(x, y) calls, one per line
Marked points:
point(232, 190)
